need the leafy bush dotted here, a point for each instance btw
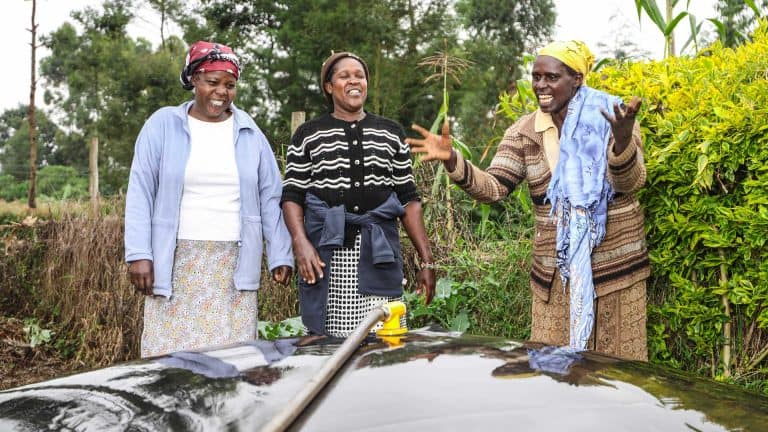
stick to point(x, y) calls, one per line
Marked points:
point(706, 146)
point(483, 254)
point(12, 189)
point(289, 327)
point(55, 182)
point(61, 183)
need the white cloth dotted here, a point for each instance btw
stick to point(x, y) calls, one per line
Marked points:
point(210, 204)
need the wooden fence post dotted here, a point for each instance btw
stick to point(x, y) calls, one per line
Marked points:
point(93, 180)
point(297, 118)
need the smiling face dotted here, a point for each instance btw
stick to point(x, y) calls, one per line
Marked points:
point(348, 88)
point(214, 93)
point(554, 85)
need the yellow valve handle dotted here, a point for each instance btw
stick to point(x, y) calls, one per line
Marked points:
point(392, 323)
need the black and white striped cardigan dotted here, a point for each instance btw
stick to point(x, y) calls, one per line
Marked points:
point(357, 164)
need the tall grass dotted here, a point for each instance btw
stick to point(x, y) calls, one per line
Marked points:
point(65, 267)
point(483, 254)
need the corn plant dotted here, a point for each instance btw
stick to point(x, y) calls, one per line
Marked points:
point(443, 66)
point(665, 25)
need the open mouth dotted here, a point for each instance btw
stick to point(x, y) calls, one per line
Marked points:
point(545, 99)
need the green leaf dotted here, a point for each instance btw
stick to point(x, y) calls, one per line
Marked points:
point(753, 6)
point(670, 28)
point(460, 322)
point(652, 10)
point(443, 288)
point(719, 26)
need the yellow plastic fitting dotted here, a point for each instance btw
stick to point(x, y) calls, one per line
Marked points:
point(392, 322)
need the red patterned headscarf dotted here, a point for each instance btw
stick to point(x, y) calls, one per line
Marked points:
point(208, 57)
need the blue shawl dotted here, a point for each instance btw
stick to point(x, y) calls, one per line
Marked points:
point(579, 193)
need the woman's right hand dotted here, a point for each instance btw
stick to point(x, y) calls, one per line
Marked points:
point(433, 147)
point(142, 275)
point(309, 264)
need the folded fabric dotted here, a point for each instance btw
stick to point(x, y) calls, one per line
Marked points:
point(579, 192)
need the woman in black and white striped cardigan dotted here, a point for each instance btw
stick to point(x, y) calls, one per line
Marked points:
point(357, 163)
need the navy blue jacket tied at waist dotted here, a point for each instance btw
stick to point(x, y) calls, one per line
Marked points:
point(380, 270)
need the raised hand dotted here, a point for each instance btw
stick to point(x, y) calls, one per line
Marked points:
point(433, 147)
point(622, 122)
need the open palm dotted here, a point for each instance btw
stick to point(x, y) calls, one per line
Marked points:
point(432, 146)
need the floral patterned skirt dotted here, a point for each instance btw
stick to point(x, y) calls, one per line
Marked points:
point(620, 320)
point(204, 309)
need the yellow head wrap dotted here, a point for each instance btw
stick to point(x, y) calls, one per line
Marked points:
point(573, 53)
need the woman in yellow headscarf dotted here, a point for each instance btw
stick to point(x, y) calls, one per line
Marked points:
point(582, 157)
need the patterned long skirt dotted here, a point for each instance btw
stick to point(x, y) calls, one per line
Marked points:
point(204, 309)
point(620, 319)
point(346, 307)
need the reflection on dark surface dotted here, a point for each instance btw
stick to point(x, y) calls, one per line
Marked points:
point(264, 376)
point(727, 405)
point(557, 360)
point(716, 406)
point(84, 407)
point(200, 363)
point(186, 391)
point(427, 381)
point(520, 360)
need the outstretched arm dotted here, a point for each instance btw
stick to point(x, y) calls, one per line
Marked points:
point(506, 170)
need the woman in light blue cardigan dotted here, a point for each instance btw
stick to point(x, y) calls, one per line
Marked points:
point(203, 199)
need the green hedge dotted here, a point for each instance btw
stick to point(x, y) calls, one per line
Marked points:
point(705, 127)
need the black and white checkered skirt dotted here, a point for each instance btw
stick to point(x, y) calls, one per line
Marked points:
point(346, 307)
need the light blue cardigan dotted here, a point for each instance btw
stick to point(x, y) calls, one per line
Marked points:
point(154, 193)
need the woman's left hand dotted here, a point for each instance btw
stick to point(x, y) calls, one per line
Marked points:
point(426, 284)
point(622, 123)
point(282, 274)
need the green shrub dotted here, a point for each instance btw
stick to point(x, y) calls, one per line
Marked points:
point(61, 183)
point(12, 189)
point(483, 254)
point(55, 182)
point(706, 151)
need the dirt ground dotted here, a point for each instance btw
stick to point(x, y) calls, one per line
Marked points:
point(21, 364)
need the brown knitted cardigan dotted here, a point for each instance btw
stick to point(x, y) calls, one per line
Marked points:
point(621, 259)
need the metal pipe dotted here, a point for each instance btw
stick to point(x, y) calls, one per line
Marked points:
point(288, 415)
